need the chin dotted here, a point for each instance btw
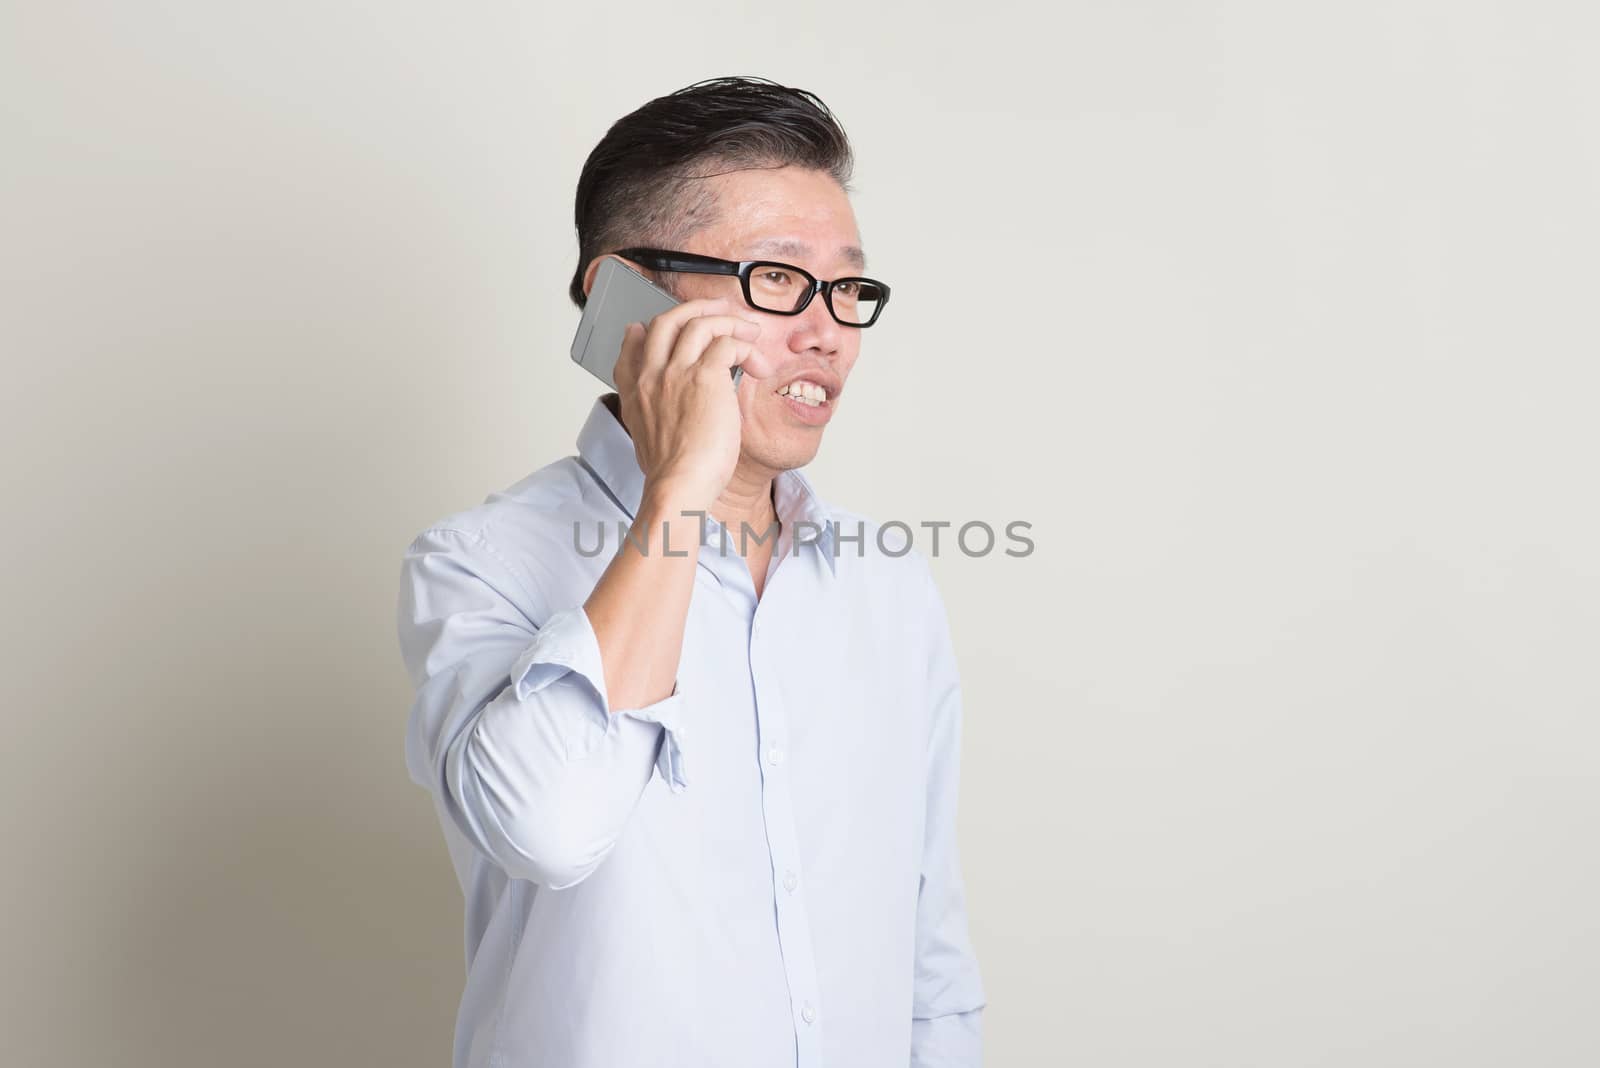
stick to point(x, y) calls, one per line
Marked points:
point(786, 453)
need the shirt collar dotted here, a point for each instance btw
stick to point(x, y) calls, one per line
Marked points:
point(607, 450)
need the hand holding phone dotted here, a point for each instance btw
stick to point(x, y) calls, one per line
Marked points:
point(620, 295)
point(673, 379)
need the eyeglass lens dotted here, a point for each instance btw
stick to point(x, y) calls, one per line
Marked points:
point(778, 287)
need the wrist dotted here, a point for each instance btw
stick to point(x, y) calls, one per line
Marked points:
point(672, 515)
point(667, 498)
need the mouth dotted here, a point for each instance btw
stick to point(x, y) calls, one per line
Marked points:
point(810, 397)
point(807, 391)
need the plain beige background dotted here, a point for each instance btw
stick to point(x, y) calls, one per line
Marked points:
point(1276, 320)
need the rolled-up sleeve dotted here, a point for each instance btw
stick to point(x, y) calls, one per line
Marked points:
point(948, 995)
point(511, 729)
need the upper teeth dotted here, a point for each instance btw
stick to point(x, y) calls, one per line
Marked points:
point(805, 392)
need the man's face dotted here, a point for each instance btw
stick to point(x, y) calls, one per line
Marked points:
point(801, 217)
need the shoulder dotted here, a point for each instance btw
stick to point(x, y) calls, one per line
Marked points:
point(545, 500)
point(527, 527)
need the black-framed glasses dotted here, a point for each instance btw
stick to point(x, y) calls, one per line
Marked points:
point(779, 288)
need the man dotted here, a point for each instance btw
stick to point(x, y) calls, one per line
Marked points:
point(700, 789)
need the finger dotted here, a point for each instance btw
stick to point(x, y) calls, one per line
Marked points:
point(698, 333)
point(723, 355)
point(661, 333)
point(626, 372)
point(728, 352)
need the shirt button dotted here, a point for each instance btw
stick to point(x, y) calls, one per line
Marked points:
point(807, 1013)
point(774, 756)
point(790, 881)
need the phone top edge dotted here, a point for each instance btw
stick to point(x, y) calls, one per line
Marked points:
point(580, 340)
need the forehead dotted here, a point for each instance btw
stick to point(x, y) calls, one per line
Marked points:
point(788, 213)
point(803, 250)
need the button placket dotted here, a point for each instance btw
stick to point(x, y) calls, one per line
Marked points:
point(794, 929)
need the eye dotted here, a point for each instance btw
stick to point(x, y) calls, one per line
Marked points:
point(848, 290)
point(776, 277)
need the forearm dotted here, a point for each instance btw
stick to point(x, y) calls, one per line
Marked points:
point(550, 777)
point(639, 607)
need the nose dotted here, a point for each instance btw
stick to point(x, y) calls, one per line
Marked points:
point(816, 330)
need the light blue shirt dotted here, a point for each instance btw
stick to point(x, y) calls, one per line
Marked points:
point(759, 870)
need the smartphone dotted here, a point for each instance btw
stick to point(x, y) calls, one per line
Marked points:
point(620, 295)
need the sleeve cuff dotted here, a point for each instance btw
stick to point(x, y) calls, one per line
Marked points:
point(669, 713)
point(566, 644)
point(954, 1041)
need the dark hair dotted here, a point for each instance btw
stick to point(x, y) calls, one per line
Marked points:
point(643, 183)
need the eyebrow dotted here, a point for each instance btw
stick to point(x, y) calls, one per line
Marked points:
point(789, 247)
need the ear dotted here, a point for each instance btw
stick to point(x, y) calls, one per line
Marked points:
point(588, 274)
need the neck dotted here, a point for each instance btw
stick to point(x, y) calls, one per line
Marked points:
point(746, 499)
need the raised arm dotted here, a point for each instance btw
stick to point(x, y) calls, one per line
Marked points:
point(537, 729)
point(511, 727)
